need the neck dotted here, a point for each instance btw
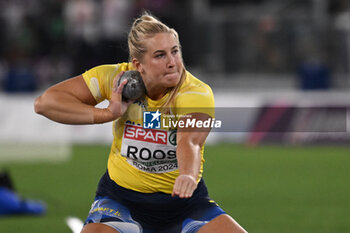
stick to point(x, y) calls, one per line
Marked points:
point(156, 93)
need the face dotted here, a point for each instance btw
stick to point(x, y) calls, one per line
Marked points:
point(161, 66)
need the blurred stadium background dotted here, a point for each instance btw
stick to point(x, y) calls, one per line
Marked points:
point(261, 55)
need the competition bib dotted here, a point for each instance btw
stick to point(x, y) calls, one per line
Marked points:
point(149, 150)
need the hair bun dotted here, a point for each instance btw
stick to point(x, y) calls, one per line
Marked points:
point(137, 21)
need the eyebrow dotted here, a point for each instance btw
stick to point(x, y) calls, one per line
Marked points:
point(158, 51)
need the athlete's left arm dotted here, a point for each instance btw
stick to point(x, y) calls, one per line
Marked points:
point(189, 144)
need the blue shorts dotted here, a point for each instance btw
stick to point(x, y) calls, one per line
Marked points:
point(151, 213)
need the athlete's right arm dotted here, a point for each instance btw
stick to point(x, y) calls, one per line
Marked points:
point(71, 102)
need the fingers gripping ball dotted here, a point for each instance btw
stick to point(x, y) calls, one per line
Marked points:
point(134, 88)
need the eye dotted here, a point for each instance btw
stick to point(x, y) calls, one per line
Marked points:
point(159, 55)
point(175, 51)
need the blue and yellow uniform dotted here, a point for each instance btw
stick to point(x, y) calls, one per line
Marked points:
point(142, 166)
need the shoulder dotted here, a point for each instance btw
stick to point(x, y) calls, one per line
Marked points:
point(100, 79)
point(194, 96)
point(108, 69)
point(194, 86)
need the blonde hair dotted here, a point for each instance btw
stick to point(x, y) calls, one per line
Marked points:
point(144, 27)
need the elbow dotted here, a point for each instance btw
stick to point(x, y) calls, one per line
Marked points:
point(190, 143)
point(39, 106)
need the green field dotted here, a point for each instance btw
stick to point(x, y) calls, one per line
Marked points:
point(267, 189)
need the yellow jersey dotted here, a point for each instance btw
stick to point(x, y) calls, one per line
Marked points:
point(144, 159)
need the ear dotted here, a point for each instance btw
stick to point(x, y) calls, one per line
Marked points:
point(137, 64)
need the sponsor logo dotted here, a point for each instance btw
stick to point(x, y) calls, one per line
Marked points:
point(146, 135)
point(172, 138)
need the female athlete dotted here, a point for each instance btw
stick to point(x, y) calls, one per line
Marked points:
point(153, 181)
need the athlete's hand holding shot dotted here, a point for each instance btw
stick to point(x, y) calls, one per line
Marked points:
point(153, 181)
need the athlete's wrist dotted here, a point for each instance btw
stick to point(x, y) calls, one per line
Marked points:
point(103, 115)
point(191, 176)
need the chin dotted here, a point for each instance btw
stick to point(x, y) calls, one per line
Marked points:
point(173, 83)
point(173, 80)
